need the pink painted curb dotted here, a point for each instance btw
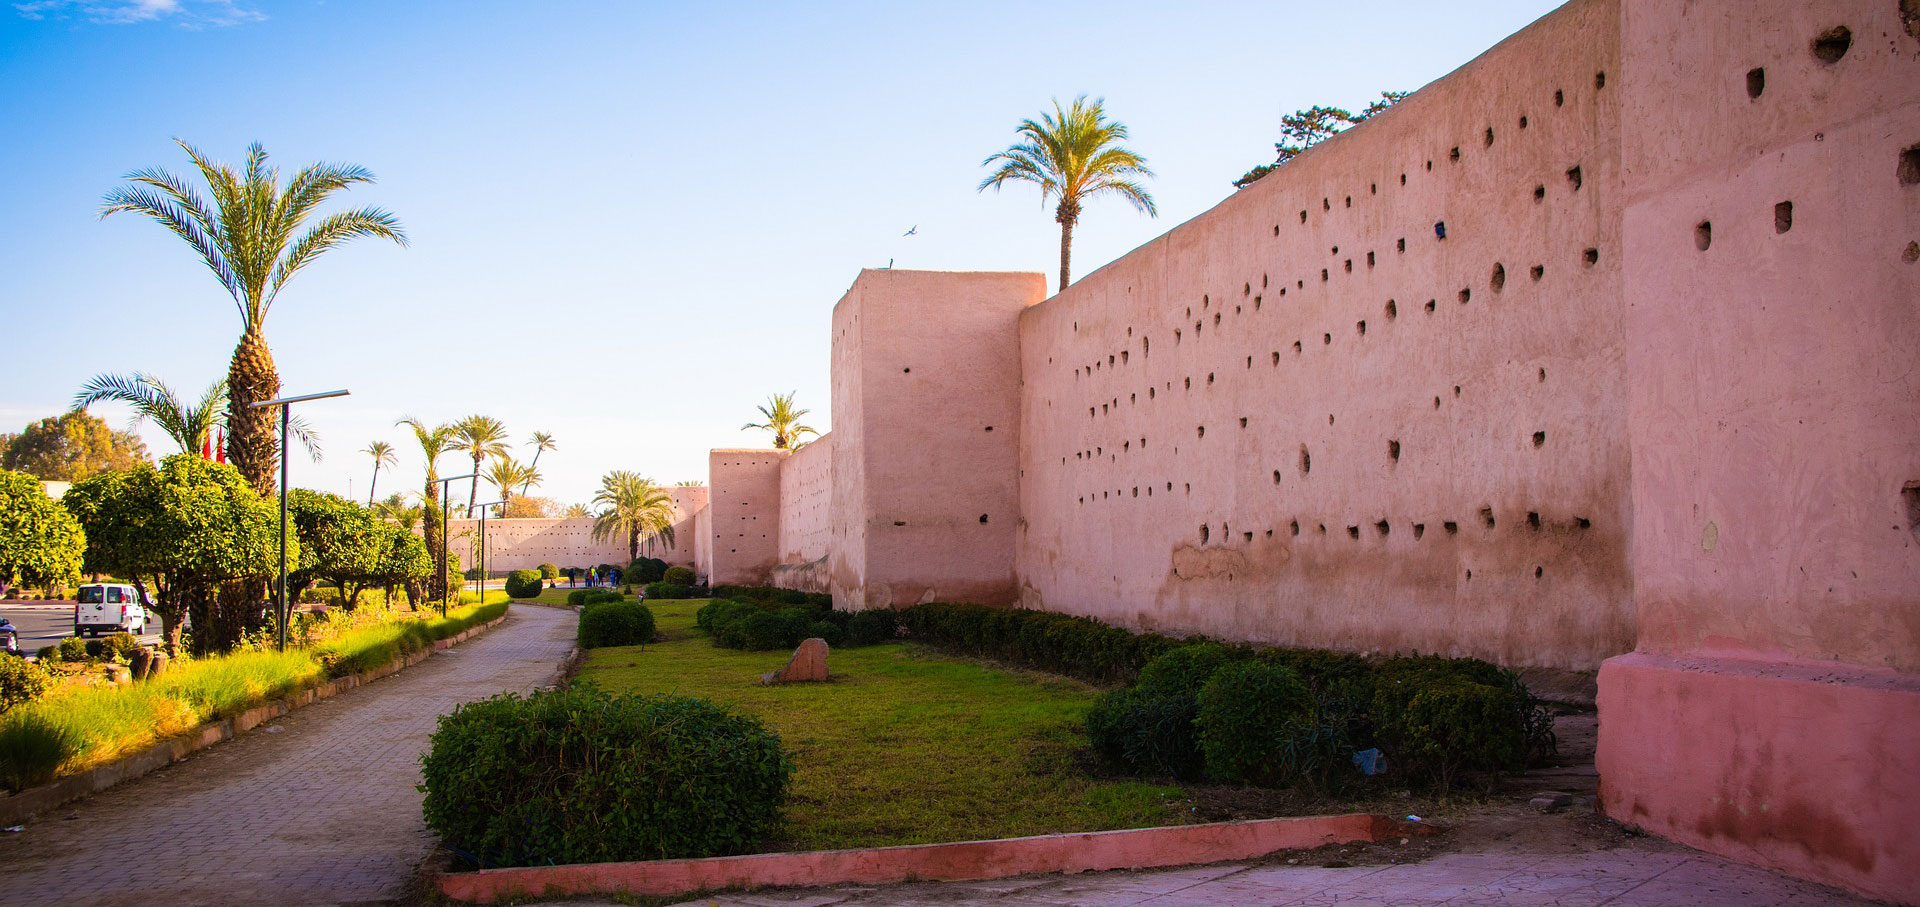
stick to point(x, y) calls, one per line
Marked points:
point(17, 808)
point(1140, 848)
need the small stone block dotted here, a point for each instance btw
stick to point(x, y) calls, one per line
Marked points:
point(809, 663)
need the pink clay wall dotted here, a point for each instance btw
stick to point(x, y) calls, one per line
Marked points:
point(1304, 417)
point(521, 544)
point(745, 515)
point(806, 502)
point(930, 471)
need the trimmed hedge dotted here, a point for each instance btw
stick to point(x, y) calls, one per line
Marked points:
point(524, 584)
point(1076, 646)
point(582, 776)
point(646, 570)
point(580, 598)
point(621, 623)
point(674, 591)
point(678, 576)
point(21, 681)
point(874, 625)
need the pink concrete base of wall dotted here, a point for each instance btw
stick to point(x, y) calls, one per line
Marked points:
point(1811, 769)
point(1142, 848)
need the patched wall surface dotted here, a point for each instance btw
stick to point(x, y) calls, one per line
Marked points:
point(806, 502)
point(744, 501)
point(1374, 401)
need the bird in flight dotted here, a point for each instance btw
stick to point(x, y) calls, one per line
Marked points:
point(916, 229)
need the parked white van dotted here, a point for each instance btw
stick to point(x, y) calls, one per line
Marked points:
point(108, 608)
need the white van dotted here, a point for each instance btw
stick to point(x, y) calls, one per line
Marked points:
point(108, 608)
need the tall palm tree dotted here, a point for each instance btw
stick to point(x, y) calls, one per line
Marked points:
point(1072, 155)
point(633, 506)
point(483, 437)
point(382, 454)
point(187, 424)
point(434, 441)
point(782, 419)
point(541, 442)
point(250, 236)
point(505, 473)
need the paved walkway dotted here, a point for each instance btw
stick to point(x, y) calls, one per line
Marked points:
point(1654, 875)
point(316, 808)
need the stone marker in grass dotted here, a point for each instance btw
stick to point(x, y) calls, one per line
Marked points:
point(809, 662)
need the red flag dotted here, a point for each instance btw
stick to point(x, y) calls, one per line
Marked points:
point(220, 452)
point(206, 446)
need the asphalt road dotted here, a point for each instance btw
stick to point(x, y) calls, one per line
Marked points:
point(45, 625)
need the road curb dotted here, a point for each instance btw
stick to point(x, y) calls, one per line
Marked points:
point(17, 808)
point(1140, 848)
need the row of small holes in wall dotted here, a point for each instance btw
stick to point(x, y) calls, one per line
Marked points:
point(1453, 154)
point(1305, 463)
point(1497, 281)
point(1383, 528)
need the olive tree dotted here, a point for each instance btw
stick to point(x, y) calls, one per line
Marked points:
point(339, 542)
point(40, 542)
point(182, 529)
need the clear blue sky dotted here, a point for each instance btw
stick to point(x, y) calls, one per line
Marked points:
point(630, 221)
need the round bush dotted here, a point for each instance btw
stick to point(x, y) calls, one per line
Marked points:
point(679, 576)
point(524, 584)
point(646, 570)
point(600, 597)
point(1147, 732)
point(874, 625)
point(581, 776)
point(616, 624)
point(576, 598)
point(549, 572)
point(1256, 724)
point(717, 611)
point(828, 631)
point(1185, 670)
point(21, 681)
point(754, 631)
point(73, 648)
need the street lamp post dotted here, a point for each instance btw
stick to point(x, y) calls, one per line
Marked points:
point(483, 544)
point(284, 610)
point(446, 586)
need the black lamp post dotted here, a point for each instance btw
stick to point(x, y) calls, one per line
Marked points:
point(483, 543)
point(284, 610)
point(446, 586)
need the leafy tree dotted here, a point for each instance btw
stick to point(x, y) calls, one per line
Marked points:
point(631, 505)
point(482, 437)
point(1307, 128)
point(1073, 155)
point(403, 561)
point(182, 530)
point(187, 424)
point(40, 542)
point(394, 509)
point(541, 442)
point(72, 447)
point(782, 419)
point(340, 542)
point(434, 441)
point(247, 237)
point(530, 507)
point(382, 454)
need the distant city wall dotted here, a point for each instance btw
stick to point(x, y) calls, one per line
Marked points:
point(522, 544)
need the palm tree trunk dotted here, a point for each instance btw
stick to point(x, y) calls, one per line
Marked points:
point(530, 467)
point(373, 484)
point(252, 446)
point(1066, 214)
point(473, 485)
point(435, 535)
point(633, 546)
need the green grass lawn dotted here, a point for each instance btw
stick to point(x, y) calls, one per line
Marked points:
point(903, 746)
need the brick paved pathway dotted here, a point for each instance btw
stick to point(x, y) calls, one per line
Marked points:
point(321, 811)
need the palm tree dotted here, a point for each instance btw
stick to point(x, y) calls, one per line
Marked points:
point(247, 237)
point(433, 442)
point(575, 511)
point(781, 417)
point(1072, 155)
point(187, 424)
point(505, 473)
point(394, 507)
point(690, 483)
point(541, 442)
point(382, 454)
point(483, 437)
point(633, 506)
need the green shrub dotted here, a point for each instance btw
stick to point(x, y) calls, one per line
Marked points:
point(32, 749)
point(1185, 670)
point(549, 572)
point(524, 584)
point(1461, 726)
point(828, 631)
point(616, 624)
point(1150, 733)
point(678, 576)
point(73, 648)
point(576, 598)
point(758, 631)
point(1076, 646)
point(671, 591)
point(581, 776)
point(21, 682)
point(599, 596)
point(1256, 725)
point(646, 570)
point(718, 611)
point(874, 625)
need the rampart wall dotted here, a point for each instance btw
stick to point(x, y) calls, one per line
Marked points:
point(806, 508)
point(526, 543)
point(744, 525)
point(1374, 401)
